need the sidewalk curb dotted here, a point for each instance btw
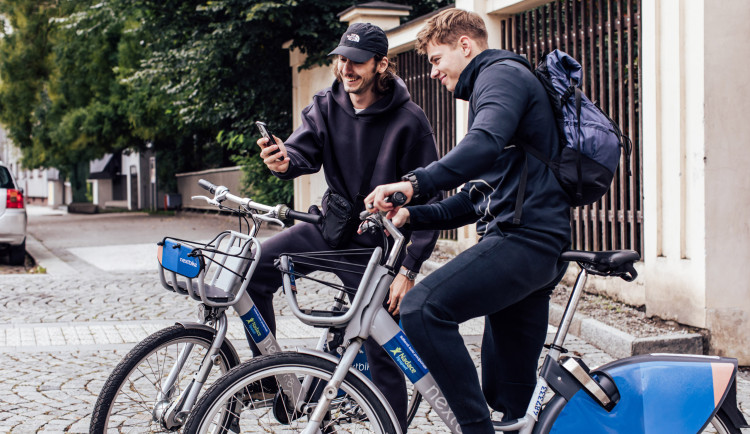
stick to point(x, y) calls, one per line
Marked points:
point(622, 344)
point(44, 258)
point(615, 342)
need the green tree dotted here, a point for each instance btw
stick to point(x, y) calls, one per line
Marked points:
point(81, 78)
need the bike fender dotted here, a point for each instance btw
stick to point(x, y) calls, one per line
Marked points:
point(658, 393)
point(226, 344)
point(370, 385)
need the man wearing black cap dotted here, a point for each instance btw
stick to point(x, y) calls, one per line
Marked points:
point(364, 131)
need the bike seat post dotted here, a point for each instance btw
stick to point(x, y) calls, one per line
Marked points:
point(567, 318)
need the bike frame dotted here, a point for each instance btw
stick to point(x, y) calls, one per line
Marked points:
point(214, 312)
point(373, 320)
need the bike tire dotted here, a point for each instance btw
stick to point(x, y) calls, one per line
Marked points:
point(721, 424)
point(415, 399)
point(254, 387)
point(128, 398)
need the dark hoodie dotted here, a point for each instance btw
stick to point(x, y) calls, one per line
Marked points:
point(346, 145)
point(507, 104)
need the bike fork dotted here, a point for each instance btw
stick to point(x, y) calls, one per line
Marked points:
point(332, 387)
point(176, 413)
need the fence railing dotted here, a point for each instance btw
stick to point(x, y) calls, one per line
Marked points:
point(604, 36)
point(437, 103)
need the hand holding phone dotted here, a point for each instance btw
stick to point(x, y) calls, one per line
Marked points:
point(265, 132)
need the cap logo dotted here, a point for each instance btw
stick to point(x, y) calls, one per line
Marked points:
point(353, 37)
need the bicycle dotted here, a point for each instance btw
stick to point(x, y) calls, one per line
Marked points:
point(651, 393)
point(155, 386)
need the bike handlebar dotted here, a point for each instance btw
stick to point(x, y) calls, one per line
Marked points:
point(304, 216)
point(397, 198)
point(207, 185)
point(280, 212)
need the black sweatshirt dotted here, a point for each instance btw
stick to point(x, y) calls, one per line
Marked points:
point(344, 143)
point(507, 104)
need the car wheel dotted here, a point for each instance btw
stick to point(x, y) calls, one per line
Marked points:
point(17, 254)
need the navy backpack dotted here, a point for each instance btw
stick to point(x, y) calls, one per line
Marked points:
point(590, 141)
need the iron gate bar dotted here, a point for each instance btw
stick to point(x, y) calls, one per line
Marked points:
point(437, 103)
point(605, 37)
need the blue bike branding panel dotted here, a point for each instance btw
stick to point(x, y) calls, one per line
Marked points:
point(401, 351)
point(255, 324)
point(180, 259)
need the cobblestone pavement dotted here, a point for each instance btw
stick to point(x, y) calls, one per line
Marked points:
point(63, 336)
point(62, 333)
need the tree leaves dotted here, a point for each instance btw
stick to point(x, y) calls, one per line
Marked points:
point(80, 78)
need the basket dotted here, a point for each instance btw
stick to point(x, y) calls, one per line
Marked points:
point(214, 273)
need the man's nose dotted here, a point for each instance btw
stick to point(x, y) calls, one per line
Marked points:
point(433, 72)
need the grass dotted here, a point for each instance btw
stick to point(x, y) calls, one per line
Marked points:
point(38, 269)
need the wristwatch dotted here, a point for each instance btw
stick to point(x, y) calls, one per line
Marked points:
point(411, 275)
point(412, 178)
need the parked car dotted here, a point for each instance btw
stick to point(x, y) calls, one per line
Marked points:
point(12, 218)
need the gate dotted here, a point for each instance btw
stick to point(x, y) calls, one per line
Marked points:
point(437, 103)
point(604, 36)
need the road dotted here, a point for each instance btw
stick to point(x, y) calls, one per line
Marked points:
point(63, 332)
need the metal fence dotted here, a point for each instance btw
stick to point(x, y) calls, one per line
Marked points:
point(604, 36)
point(437, 103)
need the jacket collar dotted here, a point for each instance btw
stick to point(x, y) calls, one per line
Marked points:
point(468, 77)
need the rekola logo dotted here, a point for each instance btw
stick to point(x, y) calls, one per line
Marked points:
point(191, 263)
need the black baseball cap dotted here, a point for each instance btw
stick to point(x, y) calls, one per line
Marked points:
point(361, 42)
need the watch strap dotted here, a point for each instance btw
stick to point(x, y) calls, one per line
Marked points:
point(412, 178)
point(411, 275)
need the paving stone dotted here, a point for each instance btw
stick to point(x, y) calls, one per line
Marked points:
point(61, 336)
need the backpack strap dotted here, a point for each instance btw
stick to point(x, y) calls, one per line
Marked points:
point(521, 191)
point(527, 149)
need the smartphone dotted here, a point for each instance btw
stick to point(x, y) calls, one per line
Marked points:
point(265, 132)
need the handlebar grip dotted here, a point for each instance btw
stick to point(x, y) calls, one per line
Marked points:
point(207, 185)
point(304, 216)
point(397, 198)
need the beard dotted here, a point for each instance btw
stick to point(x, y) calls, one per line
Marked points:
point(364, 84)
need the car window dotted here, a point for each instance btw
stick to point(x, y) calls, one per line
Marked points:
point(5, 180)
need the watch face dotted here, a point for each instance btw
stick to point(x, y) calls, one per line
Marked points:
point(411, 275)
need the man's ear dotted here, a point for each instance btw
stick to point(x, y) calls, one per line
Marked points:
point(467, 45)
point(383, 65)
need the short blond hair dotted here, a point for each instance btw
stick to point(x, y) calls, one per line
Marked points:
point(449, 25)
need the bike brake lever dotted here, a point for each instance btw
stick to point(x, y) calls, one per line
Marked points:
point(269, 219)
point(207, 199)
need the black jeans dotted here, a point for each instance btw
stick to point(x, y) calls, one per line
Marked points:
point(266, 280)
point(507, 278)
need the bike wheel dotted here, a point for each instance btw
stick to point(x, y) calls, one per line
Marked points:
point(720, 424)
point(415, 399)
point(129, 400)
point(260, 405)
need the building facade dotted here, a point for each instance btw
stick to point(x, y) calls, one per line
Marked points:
point(671, 73)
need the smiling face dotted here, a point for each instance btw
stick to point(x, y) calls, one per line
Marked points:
point(448, 61)
point(357, 78)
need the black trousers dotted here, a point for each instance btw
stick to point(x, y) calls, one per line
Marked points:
point(507, 278)
point(266, 280)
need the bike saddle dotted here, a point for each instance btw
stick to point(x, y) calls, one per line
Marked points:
point(610, 263)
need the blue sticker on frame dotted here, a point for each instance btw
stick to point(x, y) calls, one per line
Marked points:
point(401, 351)
point(176, 257)
point(255, 324)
